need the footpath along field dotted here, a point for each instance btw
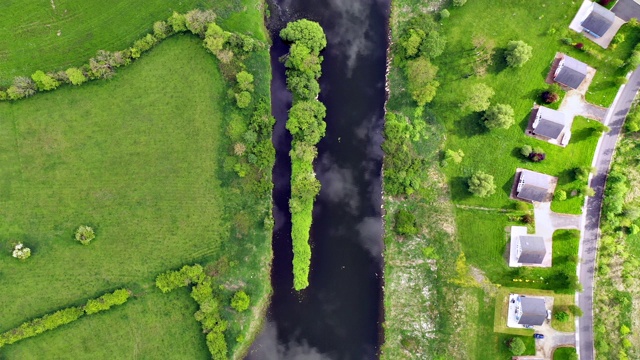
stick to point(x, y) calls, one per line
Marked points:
point(147, 159)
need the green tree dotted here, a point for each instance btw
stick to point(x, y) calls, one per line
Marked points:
point(477, 97)
point(444, 14)
point(161, 29)
point(481, 184)
point(307, 33)
point(582, 173)
point(560, 195)
point(240, 301)
point(306, 122)
point(433, 45)
point(411, 42)
point(44, 81)
point(516, 346)
point(197, 20)
point(459, 2)
point(22, 87)
point(215, 38)
point(421, 74)
point(245, 81)
point(499, 116)
point(243, 99)
point(178, 22)
point(455, 156)
point(76, 77)
point(526, 150)
point(518, 53)
point(84, 234)
point(405, 223)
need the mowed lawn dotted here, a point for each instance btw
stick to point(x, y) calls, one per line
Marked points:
point(136, 158)
point(29, 39)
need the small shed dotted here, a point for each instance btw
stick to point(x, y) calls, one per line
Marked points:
point(549, 123)
point(530, 249)
point(598, 21)
point(570, 72)
point(531, 311)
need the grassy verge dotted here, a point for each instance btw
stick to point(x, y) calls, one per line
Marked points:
point(149, 176)
point(566, 353)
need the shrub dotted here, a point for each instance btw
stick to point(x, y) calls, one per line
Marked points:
point(455, 156)
point(560, 195)
point(84, 234)
point(481, 184)
point(44, 82)
point(22, 87)
point(243, 99)
point(444, 14)
point(561, 316)
point(459, 2)
point(516, 346)
point(240, 301)
point(171, 280)
point(550, 97)
point(37, 326)
point(566, 41)
point(422, 85)
point(588, 191)
point(75, 75)
point(526, 150)
point(579, 46)
point(215, 38)
point(618, 38)
point(3, 95)
point(178, 22)
point(582, 173)
point(537, 155)
point(575, 310)
point(106, 301)
point(405, 223)
point(518, 53)
point(197, 20)
point(21, 252)
point(499, 116)
point(527, 219)
point(161, 29)
point(245, 81)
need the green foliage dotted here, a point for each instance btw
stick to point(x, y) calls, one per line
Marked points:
point(561, 316)
point(40, 325)
point(477, 97)
point(516, 346)
point(243, 99)
point(481, 184)
point(187, 275)
point(575, 310)
point(624, 330)
point(444, 14)
point(405, 223)
point(197, 20)
point(84, 234)
point(454, 156)
point(76, 77)
point(178, 22)
point(582, 173)
point(421, 74)
point(162, 29)
point(560, 195)
point(240, 301)
point(245, 81)
point(307, 33)
point(21, 252)
point(459, 2)
point(518, 53)
point(215, 38)
point(44, 81)
point(306, 122)
point(499, 116)
point(526, 150)
point(22, 87)
point(106, 301)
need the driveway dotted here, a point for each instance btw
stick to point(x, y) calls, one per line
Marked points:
point(591, 231)
point(627, 9)
point(553, 339)
point(547, 221)
point(574, 104)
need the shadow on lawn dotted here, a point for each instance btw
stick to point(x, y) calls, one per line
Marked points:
point(470, 125)
point(499, 63)
point(459, 188)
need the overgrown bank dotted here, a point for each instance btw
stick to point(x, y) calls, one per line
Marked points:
point(196, 187)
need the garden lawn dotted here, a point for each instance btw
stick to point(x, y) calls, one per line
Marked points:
point(137, 158)
point(565, 353)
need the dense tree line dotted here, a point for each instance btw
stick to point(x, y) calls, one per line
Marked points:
point(306, 125)
point(61, 317)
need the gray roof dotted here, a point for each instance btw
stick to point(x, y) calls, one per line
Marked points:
point(599, 20)
point(536, 186)
point(533, 249)
point(572, 72)
point(534, 311)
point(551, 123)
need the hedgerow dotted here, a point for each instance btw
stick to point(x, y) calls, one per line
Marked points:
point(307, 127)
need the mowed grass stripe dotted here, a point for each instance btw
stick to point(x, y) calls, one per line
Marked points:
point(134, 157)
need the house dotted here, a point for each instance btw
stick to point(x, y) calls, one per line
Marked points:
point(534, 186)
point(570, 72)
point(549, 123)
point(598, 21)
point(530, 249)
point(530, 311)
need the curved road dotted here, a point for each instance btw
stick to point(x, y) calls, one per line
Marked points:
point(591, 233)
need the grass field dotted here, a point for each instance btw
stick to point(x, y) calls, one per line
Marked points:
point(139, 158)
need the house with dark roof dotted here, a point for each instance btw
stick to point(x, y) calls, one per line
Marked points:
point(549, 123)
point(530, 310)
point(530, 249)
point(534, 186)
point(570, 72)
point(598, 21)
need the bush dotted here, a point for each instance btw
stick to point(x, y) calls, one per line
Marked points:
point(22, 87)
point(499, 116)
point(518, 53)
point(560, 195)
point(561, 316)
point(588, 191)
point(444, 14)
point(243, 99)
point(537, 154)
point(197, 20)
point(516, 346)
point(526, 150)
point(550, 97)
point(575, 310)
point(187, 275)
point(459, 2)
point(37, 326)
point(106, 301)
point(245, 81)
point(44, 82)
point(162, 29)
point(582, 173)
point(177, 22)
point(527, 219)
point(405, 223)
point(75, 75)
point(452, 155)
point(481, 184)
point(240, 301)
point(579, 46)
point(84, 234)
point(21, 252)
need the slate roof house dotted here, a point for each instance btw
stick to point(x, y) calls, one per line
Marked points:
point(599, 20)
point(549, 123)
point(530, 249)
point(533, 186)
point(530, 311)
point(570, 72)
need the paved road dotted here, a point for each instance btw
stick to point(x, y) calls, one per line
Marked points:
point(627, 9)
point(592, 217)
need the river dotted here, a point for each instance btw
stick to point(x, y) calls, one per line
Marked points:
point(340, 315)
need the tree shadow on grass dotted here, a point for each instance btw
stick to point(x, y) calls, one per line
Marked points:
point(499, 63)
point(507, 186)
point(470, 125)
point(582, 134)
point(459, 188)
point(517, 154)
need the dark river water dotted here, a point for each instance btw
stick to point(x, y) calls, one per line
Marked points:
point(339, 316)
